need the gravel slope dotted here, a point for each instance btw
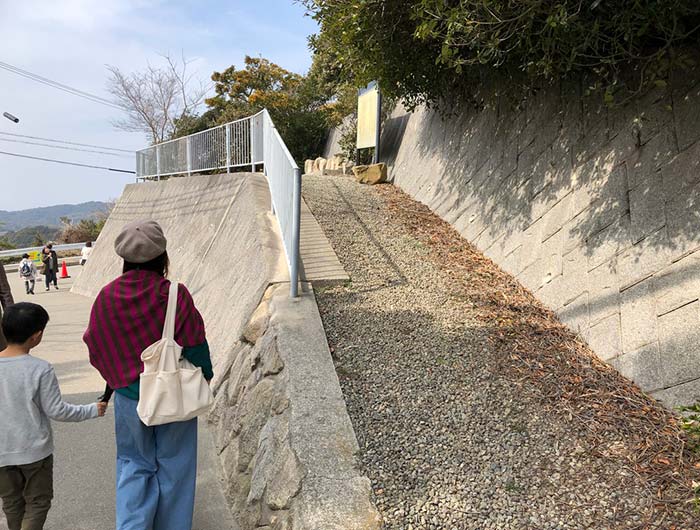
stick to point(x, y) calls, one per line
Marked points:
point(447, 437)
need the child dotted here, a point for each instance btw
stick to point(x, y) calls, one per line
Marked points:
point(27, 272)
point(29, 396)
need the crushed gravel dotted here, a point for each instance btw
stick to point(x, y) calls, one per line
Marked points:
point(449, 437)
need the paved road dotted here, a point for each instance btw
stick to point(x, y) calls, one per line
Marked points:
point(85, 453)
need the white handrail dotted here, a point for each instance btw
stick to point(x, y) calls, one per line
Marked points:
point(20, 251)
point(248, 142)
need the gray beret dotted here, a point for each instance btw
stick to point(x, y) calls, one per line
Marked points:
point(140, 241)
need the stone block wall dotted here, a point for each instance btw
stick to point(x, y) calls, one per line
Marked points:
point(286, 441)
point(595, 209)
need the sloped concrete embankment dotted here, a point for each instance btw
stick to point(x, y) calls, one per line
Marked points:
point(286, 442)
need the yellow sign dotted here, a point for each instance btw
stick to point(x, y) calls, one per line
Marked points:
point(35, 256)
point(367, 109)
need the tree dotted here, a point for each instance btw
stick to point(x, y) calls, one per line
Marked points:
point(156, 98)
point(431, 50)
point(5, 244)
point(85, 229)
point(299, 109)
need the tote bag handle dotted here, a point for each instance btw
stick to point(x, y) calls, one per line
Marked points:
point(170, 312)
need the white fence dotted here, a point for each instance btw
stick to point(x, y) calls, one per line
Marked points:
point(249, 142)
point(58, 248)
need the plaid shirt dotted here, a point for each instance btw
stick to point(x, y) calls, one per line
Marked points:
point(128, 316)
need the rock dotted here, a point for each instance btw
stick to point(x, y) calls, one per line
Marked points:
point(257, 325)
point(222, 369)
point(217, 410)
point(240, 373)
point(334, 165)
point(263, 462)
point(347, 167)
point(371, 174)
point(319, 165)
point(285, 483)
point(272, 363)
point(281, 521)
point(256, 411)
point(308, 167)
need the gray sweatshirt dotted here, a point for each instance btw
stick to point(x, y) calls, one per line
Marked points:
point(29, 397)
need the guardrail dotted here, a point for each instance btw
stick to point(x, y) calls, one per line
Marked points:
point(251, 141)
point(20, 251)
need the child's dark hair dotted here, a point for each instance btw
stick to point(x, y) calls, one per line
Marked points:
point(22, 320)
point(25, 256)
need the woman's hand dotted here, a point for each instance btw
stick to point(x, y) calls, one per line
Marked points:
point(101, 408)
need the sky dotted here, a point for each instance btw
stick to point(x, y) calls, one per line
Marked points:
point(72, 41)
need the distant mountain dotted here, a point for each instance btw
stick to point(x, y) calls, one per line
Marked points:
point(31, 236)
point(49, 216)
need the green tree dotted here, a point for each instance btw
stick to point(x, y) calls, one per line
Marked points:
point(5, 244)
point(430, 50)
point(298, 108)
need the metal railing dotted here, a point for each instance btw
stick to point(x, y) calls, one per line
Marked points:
point(27, 250)
point(251, 141)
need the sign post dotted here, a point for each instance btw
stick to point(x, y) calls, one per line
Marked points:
point(369, 111)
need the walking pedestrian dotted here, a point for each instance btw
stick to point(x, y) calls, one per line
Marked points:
point(85, 253)
point(156, 465)
point(50, 268)
point(27, 272)
point(30, 397)
point(5, 301)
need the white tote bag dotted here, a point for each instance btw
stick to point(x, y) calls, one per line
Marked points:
point(171, 388)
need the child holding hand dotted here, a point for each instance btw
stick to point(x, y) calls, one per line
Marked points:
point(29, 399)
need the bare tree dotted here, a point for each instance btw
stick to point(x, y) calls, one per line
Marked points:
point(155, 98)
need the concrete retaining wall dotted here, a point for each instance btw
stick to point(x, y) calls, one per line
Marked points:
point(596, 210)
point(286, 441)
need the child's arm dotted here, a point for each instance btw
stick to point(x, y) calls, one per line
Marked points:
point(55, 408)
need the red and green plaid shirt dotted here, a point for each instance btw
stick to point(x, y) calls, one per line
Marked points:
point(128, 316)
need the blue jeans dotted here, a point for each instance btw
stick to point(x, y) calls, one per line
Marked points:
point(156, 471)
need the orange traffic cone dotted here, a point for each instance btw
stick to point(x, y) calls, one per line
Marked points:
point(64, 270)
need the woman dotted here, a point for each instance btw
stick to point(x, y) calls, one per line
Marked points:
point(50, 269)
point(156, 466)
point(85, 253)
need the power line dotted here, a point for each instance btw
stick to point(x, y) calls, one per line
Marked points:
point(61, 147)
point(67, 163)
point(56, 84)
point(66, 142)
point(60, 86)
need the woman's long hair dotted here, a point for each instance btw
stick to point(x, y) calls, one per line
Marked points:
point(158, 265)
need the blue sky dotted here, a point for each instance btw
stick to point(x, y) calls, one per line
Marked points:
point(71, 41)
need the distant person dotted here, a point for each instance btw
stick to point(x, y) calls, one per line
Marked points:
point(29, 398)
point(85, 253)
point(28, 272)
point(157, 465)
point(5, 300)
point(50, 268)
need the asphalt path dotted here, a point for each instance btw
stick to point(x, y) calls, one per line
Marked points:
point(84, 459)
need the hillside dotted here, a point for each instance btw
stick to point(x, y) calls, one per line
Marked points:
point(31, 236)
point(49, 215)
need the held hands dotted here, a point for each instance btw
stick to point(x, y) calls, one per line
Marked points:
point(101, 408)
